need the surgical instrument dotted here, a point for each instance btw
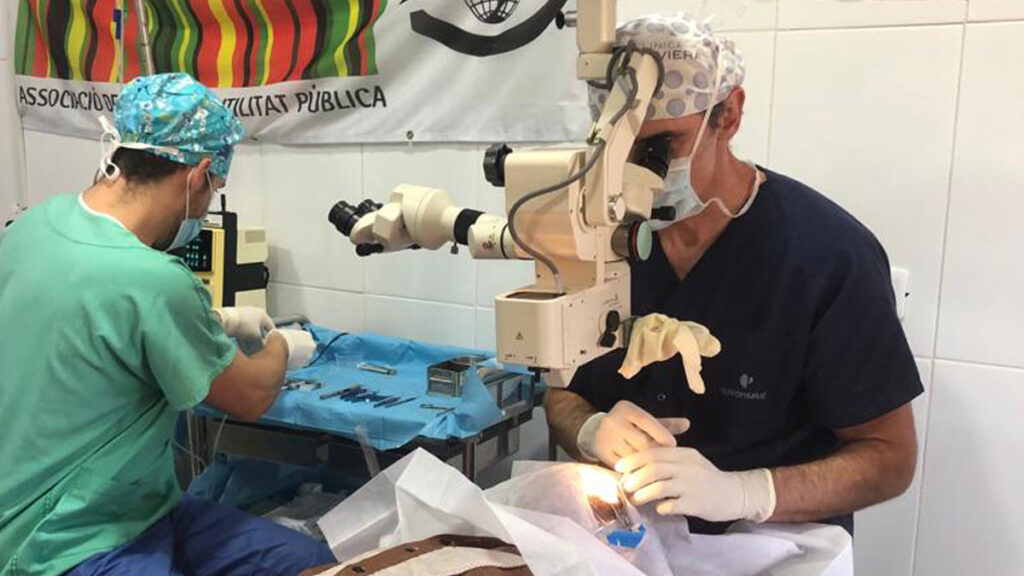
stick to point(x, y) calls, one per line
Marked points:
point(345, 391)
point(303, 384)
point(376, 368)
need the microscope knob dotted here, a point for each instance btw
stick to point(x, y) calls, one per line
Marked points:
point(611, 325)
point(633, 241)
point(368, 249)
point(494, 163)
point(664, 213)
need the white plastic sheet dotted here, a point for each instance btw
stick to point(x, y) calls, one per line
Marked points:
point(543, 511)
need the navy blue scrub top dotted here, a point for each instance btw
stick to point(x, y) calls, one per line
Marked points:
point(799, 293)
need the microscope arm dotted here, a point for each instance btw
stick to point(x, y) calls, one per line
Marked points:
point(420, 217)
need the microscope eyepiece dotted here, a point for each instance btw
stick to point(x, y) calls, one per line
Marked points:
point(344, 215)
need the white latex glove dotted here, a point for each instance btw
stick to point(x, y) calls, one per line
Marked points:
point(248, 324)
point(627, 429)
point(683, 481)
point(657, 337)
point(300, 347)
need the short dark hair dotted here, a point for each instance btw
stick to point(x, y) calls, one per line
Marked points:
point(141, 167)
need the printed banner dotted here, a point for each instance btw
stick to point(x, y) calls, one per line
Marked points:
point(315, 71)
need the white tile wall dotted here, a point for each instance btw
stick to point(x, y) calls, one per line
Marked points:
point(342, 311)
point(244, 189)
point(6, 35)
point(724, 14)
point(995, 10)
point(971, 503)
point(485, 334)
point(758, 50)
point(301, 185)
point(427, 275)
point(866, 117)
point(842, 14)
point(78, 161)
point(422, 320)
point(884, 534)
point(983, 282)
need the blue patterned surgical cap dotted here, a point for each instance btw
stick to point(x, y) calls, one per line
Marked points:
point(177, 118)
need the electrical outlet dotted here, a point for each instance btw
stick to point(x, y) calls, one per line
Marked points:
point(901, 289)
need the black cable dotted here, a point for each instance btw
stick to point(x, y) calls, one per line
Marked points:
point(598, 148)
point(326, 348)
point(659, 62)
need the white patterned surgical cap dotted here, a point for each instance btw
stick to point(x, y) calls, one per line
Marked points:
point(692, 55)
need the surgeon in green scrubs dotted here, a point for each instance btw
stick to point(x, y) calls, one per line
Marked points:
point(105, 338)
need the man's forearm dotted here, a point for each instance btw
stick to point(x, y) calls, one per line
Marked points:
point(860, 474)
point(270, 363)
point(566, 412)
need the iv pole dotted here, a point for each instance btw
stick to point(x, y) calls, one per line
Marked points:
point(145, 51)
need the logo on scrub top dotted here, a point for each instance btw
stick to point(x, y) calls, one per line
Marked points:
point(493, 13)
point(745, 382)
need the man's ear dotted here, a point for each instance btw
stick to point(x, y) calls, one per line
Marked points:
point(732, 115)
point(197, 175)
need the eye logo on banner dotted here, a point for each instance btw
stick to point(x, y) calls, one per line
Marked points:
point(492, 11)
point(495, 12)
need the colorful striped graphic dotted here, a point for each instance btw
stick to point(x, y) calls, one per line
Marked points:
point(222, 43)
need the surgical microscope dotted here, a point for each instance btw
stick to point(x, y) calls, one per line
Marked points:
point(580, 212)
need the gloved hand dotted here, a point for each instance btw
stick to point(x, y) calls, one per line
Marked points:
point(247, 324)
point(627, 429)
point(657, 337)
point(300, 346)
point(685, 482)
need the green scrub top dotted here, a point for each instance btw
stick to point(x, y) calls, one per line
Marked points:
point(103, 341)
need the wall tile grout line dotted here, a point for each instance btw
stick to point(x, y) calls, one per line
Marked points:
point(938, 300)
point(771, 96)
point(879, 26)
point(372, 295)
point(362, 188)
point(976, 364)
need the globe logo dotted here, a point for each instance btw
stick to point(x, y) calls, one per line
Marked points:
point(492, 11)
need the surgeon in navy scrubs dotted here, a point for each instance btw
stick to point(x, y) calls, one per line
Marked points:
point(805, 412)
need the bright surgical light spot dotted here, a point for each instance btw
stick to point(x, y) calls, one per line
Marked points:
point(599, 484)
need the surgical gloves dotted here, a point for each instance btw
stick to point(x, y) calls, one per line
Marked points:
point(247, 324)
point(627, 429)
point(251, 326)
point(300, 347)
point(657, 337)
point(682, 481)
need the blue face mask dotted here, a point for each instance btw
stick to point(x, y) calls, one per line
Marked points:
point(189, 227)
point(187, 232)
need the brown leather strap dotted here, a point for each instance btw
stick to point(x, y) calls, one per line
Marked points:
point(399, 554)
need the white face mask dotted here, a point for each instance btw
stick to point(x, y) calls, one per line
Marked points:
point(189, 227)
point(679, 192)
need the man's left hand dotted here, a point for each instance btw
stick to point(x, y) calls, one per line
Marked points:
point(683, 481)
point(248, 324)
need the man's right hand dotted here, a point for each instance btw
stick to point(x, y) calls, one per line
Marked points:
point(626, 429)
point(300, 346)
